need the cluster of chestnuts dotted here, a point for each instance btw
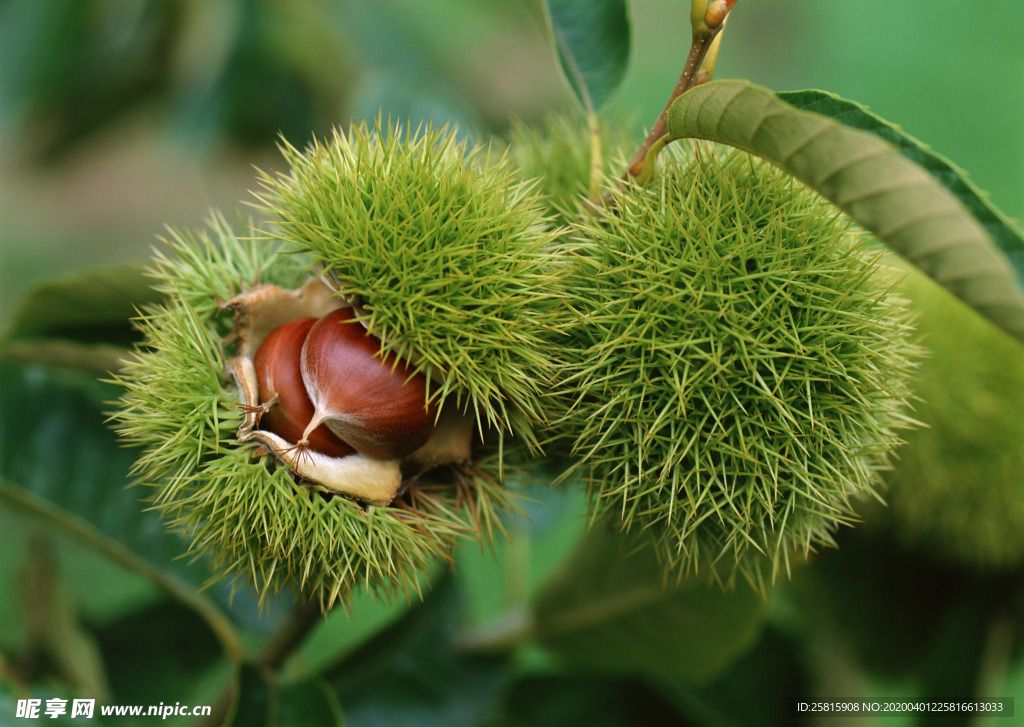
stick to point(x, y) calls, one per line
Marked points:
point(322, 394)
point(719, 357)
point(335, 401)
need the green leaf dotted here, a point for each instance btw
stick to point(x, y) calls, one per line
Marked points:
point(60, 462)
point(80, 569)
point(1002, 230)
point(80, 321)
point(892, 197)
point(54, 623)
point(611, 611)
point(310, 702)
point(262, 703)
point(344, 630)
point(413, 675)
point(550, 699)
point(95, 306)
point(760, 688)
point(894, 629)
point(498, 580)
point(99, 359)
point(591, 39)
point(165, 653)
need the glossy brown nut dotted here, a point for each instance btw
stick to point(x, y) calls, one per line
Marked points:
point(278, 374)
point(372, 401)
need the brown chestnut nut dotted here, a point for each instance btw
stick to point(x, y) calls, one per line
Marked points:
point(286, 409)
point(373, 401)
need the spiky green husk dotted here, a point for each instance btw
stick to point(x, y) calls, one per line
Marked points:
point(740, 365)
point(258, 526)
point(957, 489)
point(558, 154)
point(446, 251)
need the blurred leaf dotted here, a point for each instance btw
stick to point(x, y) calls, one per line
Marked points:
point(164, 653)
point(511, 572)
point(892, 197)
point(248, 69)
point(94, 307)
point(761, 688)
point(308, 703)
point(54, 628)
point(124, 592)
point(591, 39)
point(335, 637)
point(99, 359)
point(408, 73)
point(70, 67)
point(945, 679)
point(253, 90)
point(254, 700)
point(556, 701)
point(59, 461)
point(892, 627)
point(921, 630)
point(611, 611)
point(954, 491)
point(14, 544)
point(80, 569)
point(1012, 682)
point(999, 227)
point(412, 675)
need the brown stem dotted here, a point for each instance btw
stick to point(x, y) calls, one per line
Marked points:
point(702, 40)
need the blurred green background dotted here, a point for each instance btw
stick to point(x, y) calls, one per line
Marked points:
point(120, 116)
